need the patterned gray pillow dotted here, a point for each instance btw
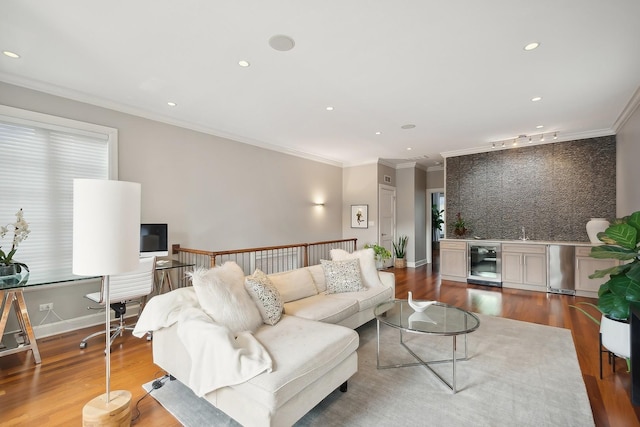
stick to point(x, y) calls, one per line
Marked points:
point(342, 276)
point(265, 295)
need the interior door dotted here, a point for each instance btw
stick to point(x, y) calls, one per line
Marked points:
point(387, 220)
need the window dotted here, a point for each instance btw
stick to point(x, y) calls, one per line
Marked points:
point(40, 155)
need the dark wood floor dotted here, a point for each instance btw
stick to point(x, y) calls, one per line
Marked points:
point(53, 393)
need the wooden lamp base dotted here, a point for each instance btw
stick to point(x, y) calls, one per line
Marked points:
point(117, 413)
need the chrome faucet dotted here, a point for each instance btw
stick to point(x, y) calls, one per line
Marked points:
point(524, 235)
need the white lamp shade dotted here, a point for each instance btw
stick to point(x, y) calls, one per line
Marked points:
point(106, 227)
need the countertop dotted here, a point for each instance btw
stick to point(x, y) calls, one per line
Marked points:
point(524, 242)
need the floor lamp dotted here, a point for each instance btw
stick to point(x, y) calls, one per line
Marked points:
point(106, 240)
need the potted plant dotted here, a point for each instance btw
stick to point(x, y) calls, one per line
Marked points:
point(381, 254)
point(460, 226)
point(616, 295)
point(20, 228)
point(400, 250)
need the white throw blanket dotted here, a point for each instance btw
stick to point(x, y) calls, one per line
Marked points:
point(218, 359)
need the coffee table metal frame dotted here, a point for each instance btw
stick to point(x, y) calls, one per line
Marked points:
point(381, 318)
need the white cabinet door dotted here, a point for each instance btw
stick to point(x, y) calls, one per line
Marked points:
point(453, 260)
point(512, 267)
point(586, 267)
point(524, 266)
point(535, 270)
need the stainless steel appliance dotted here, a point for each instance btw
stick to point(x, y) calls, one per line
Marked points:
point(485, 264)
point(561, 269)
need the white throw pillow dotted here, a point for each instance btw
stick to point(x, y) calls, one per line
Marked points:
point(342, 276)
point(222, 295)
point(294, 284)
point(367, 260)
point(266, 297)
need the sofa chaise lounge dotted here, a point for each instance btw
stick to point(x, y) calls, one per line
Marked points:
point(302, 357)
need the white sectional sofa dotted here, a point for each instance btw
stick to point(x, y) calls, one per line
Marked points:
point(311, 350)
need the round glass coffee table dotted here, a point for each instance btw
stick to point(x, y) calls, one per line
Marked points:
point(437, 319)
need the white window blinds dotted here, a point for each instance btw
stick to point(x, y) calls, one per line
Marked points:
point(38, 161)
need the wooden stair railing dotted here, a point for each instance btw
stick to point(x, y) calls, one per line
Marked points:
point(270, 259)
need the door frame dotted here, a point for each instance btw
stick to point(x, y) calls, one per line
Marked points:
point(381, 187)
point(430, 192)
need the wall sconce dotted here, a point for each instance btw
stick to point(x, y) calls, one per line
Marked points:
point(318, 204)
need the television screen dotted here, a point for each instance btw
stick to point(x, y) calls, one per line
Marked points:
point(154, 240)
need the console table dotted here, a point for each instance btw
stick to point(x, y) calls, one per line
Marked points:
point(11, 288)
point(163, 271)
point(12, 296)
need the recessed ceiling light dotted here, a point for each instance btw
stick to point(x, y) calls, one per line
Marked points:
point(329, 108)
point(243, 63)
point(409, 148)
point(531, 46)
point(536, 98)
point(378, 133)
point(281, 42)
point(408, 126)
point(171, 104)
point(11, 54)
point(539, 126)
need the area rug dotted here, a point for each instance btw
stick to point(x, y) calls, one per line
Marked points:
point(518, 374)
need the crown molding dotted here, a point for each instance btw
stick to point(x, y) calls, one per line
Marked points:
point(134, 111)
point(628, 111)
point(561, 138)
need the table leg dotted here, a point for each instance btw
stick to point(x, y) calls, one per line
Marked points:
point(15, 299)
point(26, 323)
point(453, 357)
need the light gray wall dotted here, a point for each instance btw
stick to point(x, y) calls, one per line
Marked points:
point(360, 187)
point(420, 238)
point(213, 192)
point(405, 209)
point(628, 160)
point(384, 170)
point(435, 179)
point(411, 211)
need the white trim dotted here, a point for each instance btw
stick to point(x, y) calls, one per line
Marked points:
point(32, 118)
point(127, 109)
point(430, 192)
point(628, 110)
point(65, 326)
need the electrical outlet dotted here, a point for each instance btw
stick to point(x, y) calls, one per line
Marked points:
point(47, 306)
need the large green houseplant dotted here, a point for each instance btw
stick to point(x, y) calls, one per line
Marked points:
point(620, 239)
point(621, 242)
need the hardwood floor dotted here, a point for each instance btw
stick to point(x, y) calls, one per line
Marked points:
point(54, 393)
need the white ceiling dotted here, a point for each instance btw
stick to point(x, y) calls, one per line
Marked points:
point(455, 69)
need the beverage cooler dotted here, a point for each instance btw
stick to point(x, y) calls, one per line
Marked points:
point(484, 263)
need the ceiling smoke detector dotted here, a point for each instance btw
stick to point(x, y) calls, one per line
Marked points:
point(281, 43)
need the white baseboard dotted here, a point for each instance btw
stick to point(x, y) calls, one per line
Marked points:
point(418, 263)
point(76, 323)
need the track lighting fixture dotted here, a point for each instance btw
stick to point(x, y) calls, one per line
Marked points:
point(522, 138)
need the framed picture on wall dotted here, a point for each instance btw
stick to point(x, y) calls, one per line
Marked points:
point(359, 216)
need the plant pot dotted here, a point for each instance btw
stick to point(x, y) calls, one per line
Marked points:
point(8, 269)
point(595, 226)
point(616, 336)
point(400, 263)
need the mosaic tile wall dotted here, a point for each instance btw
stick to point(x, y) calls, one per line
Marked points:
point(552, 190)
